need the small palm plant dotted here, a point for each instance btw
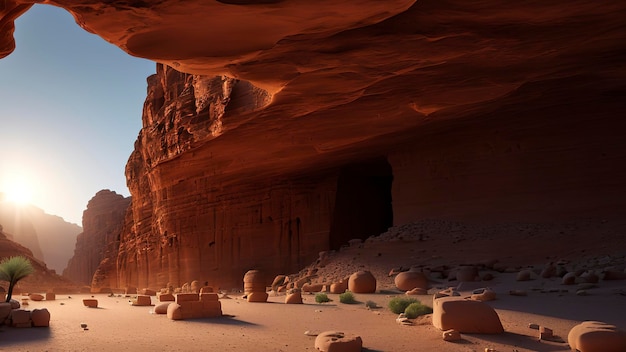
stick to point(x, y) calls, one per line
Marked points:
point(13, 269)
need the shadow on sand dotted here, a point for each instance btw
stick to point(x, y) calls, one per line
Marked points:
point(518, 340)
point(225, 319)
point(10, 335)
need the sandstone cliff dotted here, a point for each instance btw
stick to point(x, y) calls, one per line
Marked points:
point(345, 117)
point(102, 220)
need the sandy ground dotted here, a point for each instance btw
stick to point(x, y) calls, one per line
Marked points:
point(275, 326)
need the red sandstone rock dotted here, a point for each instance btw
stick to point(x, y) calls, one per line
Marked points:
point(313, 288)
point(194, 305)
point(162, 308)
point(332, 106)
point(102, 224)
point(40, 317)
point(91, 303)
point(409, 280)
point(293, 298)
point(166, 297)
point(466, 273)
point(451, 335)
point(334, 341)
point(595, 336)
point(142, 300)
point(36, 297)
point(339, 287)
point(465, 316)
point(362, 282)
point(20, 318)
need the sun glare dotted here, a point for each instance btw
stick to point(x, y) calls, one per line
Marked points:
point(18, 190)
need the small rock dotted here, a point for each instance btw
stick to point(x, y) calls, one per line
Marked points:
point(533, 326)
point(451, 335)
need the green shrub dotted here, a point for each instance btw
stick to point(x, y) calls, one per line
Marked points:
point(399, 304)
point(416, 309)
point(321, 298)
point(347, 297)
point(371, 305)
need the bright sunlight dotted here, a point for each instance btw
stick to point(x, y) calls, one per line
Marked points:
point(17, 189)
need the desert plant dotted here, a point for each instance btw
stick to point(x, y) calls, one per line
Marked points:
point(371, 305)
point(347, 297)
point(13, 269)
point(321, 298)
point(399, 304)
point(416, 309)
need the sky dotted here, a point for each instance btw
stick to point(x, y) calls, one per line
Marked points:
point(70, 112)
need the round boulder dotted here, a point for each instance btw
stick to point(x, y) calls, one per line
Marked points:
point(335, 341)
point(362, 282)
point(409, 280)
point(465, 316)
point(596, 336)
point(162, 308)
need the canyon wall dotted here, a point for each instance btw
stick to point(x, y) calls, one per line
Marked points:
point(102, 226)
point(274, 131)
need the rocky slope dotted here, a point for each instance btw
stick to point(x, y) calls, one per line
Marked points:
point(102, 220)
point(343, 118)
point(42, 280)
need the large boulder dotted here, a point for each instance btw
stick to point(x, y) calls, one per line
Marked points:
point(362, 282)
point(465, 316)
point(335, 341)
point(409, 280)
point(5, 311)
point(596, 336)
point(20, 318)
point(40, 317)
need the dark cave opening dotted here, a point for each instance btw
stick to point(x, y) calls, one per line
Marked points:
point(363, 202)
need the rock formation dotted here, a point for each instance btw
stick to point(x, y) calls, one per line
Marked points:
point(41, 280)
point(102, 220)
point(297, 123)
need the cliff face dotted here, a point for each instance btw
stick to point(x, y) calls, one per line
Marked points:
point(348, 116)
point(102, 225)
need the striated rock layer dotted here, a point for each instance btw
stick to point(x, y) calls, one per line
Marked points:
point(102, 225)
point(342, 118)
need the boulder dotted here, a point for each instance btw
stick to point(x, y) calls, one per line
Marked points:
point(339, 287)
point(142, 300)
point(20, 318)
point(195, 286)
point(166, 297)
point(5, 311)
point(484, 295)
point(334, 341)
point(40, 317)
point(467, 273)
point(524, 275)
point(130, 290)
point(362, 282)
point(409, 280)
point(254, 281)
point(257, 297)
point(451, 335)
point(162, 308)
point(549, 271)
point(279, 280)
point(596, 336)
point(50, 296)
point(293, 298)
point(569, 278)
point(36, 297)
point(417, 291)
point(465, 316)
point(206, 289)
point(148, 292)
point(90, 302)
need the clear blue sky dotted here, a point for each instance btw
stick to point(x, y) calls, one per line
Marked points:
point(70, 112)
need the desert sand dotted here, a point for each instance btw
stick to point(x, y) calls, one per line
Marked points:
point(274, 326)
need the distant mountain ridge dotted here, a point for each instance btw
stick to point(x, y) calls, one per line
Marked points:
point(49, 237)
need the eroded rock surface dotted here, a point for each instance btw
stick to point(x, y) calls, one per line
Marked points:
point(102, 220)
point(297, 123)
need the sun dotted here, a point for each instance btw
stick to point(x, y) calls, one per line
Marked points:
point(18, 190)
